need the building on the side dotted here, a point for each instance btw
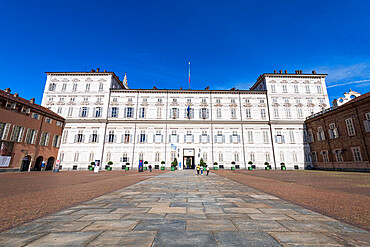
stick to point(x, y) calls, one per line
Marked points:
point(339, 137)
point(29, 134)
point(108, 121)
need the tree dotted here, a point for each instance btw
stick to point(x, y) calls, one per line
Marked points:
point(202, 163)
point(174, 162)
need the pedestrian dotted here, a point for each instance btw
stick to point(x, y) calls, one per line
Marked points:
point(150, 168)
point(201, 170)
point(198, 168)
point(207, 170)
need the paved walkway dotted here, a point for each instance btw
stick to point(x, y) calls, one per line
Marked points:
point(183, 209)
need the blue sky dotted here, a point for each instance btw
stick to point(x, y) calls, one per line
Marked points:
point(229, 43)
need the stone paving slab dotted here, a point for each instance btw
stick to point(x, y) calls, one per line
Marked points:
point(184, 209)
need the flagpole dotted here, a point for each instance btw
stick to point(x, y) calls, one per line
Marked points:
point(189, 75)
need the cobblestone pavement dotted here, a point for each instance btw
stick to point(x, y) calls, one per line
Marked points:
point(183, 209)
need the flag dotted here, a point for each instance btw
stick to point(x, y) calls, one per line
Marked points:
point(188, 111)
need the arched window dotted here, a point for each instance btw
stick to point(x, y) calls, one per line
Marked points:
point(109, 156)
point(204, 156)
point(295, 157)
point(267, 155)
point(61, 156)
point(141, 156)
point(282, 157)
point(76, 157)
point(252, 158)
point(220, 157)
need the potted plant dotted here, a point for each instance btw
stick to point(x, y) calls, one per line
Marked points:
point(215, 166)
point(91, 166)
point(282, 164)
point(250, 163)
point(108, 167)
point(267, 166)
point(174, 164)
point(127, 166)
point(162, 163)
point(232, 165)
point(145, 167)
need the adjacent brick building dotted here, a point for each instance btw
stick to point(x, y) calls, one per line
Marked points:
point(340, 137)
point(29, 134)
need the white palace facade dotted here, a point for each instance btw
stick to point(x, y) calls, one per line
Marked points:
point(108, 121)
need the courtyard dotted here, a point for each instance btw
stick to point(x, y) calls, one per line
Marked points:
point(172, 209)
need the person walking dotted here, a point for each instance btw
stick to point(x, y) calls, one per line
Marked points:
point(201, 170)
point(207, 170)
point(198, 169)
point(150, 168)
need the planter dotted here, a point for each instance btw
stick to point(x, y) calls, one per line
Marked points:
point(233, 168)
point(162, 168)
point(250, 168)
point(109, 168)
point(145, 168)
point(204, 168)
point(215, 168)
point(127, 168)
point(91, 168)
point(267, 168)
point(283, 168)
point(172, 168)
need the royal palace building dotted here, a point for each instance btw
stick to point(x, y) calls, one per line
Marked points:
point(108, 121)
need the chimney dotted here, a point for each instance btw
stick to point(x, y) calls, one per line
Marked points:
point(92, 70)
point(97, 69)
point(180, 88)
point(32, 101)
point(296, 71)
point(275, 71)
point(280, 71)
point(286, 72)
point(105, 70)
point(15, 95)
point(7, 90)
point(313, 72)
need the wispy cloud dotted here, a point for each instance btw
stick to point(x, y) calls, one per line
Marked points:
point(363, 82)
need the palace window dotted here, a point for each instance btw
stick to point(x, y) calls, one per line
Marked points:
point(291, 135)
point(279, 138)
point(307, 88)
point(276, 112)
point(98, 112)
point(367, 122)
point(288, 113)
point(17, 133)
point(273, 88)
point(338, 155)
point(350, 127)
point(87, 88)
point(189, 112)
point(84, 112)
point(142, 137)
point(127, 136)
point(233, 113)
point(70, 111)
point(296, 88)
point(124, 158)
point(94, 136)
point(141, 156)
point(252, 157)
point(129, 112)
point(285, 89)
point(333, 131)
point(295, 157)
point(311, 137)
point(356, 154)
point(299, 112)
point(52, 86)
point(159, 112)
point(267, 156)
point(80, 136)
point(248, 113)
point(30, 137)
point(91, 157)
point(174, 113)
point(189, 137)
point(236, 157)
point(56, 141)
point(235, 138)
point(111, 136)
point(64, 86)
point(203, 113)
point(65, 136)
point(282, 158)
point(142, 112)
point(220, 157)
point(101, 86)
point(74, 87)
point(158, 136)
point(250, 136)
point(174, 138)
point(114, 112)
point(263, 113)
point(44, 140)
point(204, 156)
point(219, 137)
point(320, 134)
point(265, 136)
point(314, 157)
point(204, 137)
point(157, 157)
point(325, 156)
point(218, 111)
point(75, 159)
point(319, 88)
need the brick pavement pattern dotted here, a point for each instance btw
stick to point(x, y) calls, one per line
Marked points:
point(184, 209)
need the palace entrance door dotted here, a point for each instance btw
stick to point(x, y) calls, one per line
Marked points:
point(189, 162)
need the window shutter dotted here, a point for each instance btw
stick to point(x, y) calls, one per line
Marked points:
point(110, 112)
point(283, 139)
point(200, 113)
point(47, 139)
point(106, 138)
point(34, 137)
point(207, 138)
point(223, 138)
point(87, 111)
point(200, 139)
point(83, 138)
point(170, 113)
point(79, 114)
point(231, 139)
point(276, 139)
point(115, 138)
point(192, 112)
point(138, 138)
point(21, 131)
point(154, 138)
point(6, 131)
point(215, 138)
point(162, 138)
point(178, 113)
point(367, 125)
point(146, 138)
point(186, 111)
point(125, 112)
point(90, 138)
point(94, 112)
point(169, 139)
point(207, 113)
point(184, 138)
point(239, 138)
point(178, 138)
point(76, 136)
point(97, 138)
point(192, 138)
